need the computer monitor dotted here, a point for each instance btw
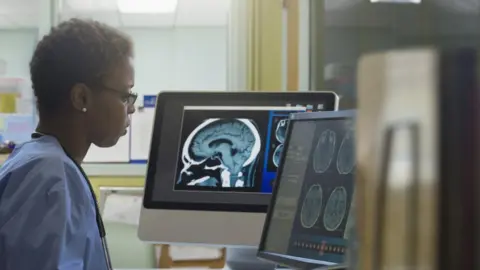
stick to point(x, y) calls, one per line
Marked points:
point(213, 159)
point(306, 225)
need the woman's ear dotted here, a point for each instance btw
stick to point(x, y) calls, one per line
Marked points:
point(80, 97)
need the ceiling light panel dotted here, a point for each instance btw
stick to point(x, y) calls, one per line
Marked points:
point(17, 6)
point(147, 6)
point(24, 20)
point(202, 12)
point(148, 20)
point(90, 5)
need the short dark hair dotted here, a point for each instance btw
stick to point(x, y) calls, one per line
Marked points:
point(75, 51)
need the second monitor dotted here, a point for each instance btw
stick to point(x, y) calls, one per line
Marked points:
point(212, 163)
point(310, 214)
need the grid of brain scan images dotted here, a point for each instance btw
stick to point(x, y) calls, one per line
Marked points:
point(323, 210)
point(235, 149)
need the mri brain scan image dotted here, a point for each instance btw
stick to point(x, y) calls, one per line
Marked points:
point(324, 151)
point(312, 206)
point(346, 154)
point(221, 153)
point(277, 155)
point(335, 209)
point(281, 130)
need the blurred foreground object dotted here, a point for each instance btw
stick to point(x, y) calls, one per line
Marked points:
point(3, 157)
point(6, 147)
point(418, 159)
point(352, 237)
point(16, 96)
point(7, 102)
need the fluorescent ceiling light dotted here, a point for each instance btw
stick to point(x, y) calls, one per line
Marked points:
point(147, 6)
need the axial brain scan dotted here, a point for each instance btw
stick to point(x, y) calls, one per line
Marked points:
point(312, 206)
point(346, 154)
point(221, 153)
point(335, 209)
point(281, 130)
point(324, 151)
point(277, 155)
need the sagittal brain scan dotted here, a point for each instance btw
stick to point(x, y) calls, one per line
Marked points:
point(277, 155)
point(324, 151)
point(221, 153)
point(281, 130)
point(346, 154)
point(335, 209)
point(229, 149)
point(312, 206)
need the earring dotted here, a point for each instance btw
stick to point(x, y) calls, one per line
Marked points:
point(84, 110)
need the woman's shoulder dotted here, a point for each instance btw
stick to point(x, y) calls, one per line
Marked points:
point(24, 159)
point(27, 174)
point(33, 153)
point(28, 162)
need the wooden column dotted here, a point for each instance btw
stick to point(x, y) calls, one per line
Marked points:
point(293, 39)
point(264, 45)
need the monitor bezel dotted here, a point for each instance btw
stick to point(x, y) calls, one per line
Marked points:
point(329, 97)
point(277, 257)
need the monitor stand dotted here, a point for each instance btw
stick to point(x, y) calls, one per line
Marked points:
point(246, 259)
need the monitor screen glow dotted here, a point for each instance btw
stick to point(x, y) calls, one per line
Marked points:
point(231, 149)
point(310, 215)
point(220, 151)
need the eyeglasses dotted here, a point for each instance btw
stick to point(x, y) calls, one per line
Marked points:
point(127, 98)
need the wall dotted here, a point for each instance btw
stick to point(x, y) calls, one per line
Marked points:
point(166, 59)
point(16, 48)
point(180, 59)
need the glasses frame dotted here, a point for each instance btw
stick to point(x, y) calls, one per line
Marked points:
point(130, 97)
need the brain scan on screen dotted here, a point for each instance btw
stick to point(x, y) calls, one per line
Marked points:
point(277, 155)
point(335, 209)
point(346, 155)
point(324, 151)
point(312, 206)
point(323, 217)
point(281, 130)
point(221, 153)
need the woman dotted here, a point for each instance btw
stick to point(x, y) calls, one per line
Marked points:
point(82, 76)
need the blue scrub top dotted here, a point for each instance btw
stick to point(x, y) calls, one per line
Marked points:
point(47, 213)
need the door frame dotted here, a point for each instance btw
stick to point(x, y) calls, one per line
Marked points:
point(297, 45)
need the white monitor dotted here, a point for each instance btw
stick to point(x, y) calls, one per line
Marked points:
point(213, 159)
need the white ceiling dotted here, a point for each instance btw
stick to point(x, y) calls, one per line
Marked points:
point(189, 13)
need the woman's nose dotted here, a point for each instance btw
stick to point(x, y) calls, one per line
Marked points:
point(131, 109)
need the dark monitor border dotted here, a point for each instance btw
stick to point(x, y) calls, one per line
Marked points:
point(329, 98)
